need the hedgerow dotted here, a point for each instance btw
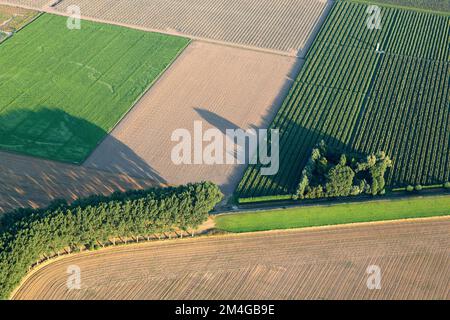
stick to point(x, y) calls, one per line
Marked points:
point(28, 235)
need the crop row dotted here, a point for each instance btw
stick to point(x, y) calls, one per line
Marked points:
point(360, 99)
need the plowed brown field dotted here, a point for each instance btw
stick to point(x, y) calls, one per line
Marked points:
point(282, 25)
point(323, 263)
point(37, 4)
point(32, 182)
point(223, 87)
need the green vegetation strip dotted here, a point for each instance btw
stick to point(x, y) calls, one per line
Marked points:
point(335, 214)
point(63, 90)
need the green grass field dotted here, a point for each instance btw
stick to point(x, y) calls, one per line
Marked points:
point(62, 91)
point(335, 214)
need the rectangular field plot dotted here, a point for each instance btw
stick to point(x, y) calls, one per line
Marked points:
point(62, 91)
point(282, 25)
point(363, 99)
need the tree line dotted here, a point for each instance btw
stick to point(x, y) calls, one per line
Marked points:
point(29, 234)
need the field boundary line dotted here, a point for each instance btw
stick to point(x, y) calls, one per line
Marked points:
point(139, 98)
point(344, 225)
point(52, 10)
point(219, 237)
point(37, 16)
point(298, 54)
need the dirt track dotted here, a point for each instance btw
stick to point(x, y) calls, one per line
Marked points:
point(224, 87)
point(327, 263)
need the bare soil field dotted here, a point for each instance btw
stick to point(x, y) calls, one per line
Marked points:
point(283, 25)
point(323, 263)
point(224, 87)
point(36, 4)
point(33, 182)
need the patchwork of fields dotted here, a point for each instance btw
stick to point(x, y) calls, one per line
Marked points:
point(223, 87)
point(71, 87)
point(283, 25)
point(12, 19)
point(82, 97)
point(366, 100)
point(311, 264)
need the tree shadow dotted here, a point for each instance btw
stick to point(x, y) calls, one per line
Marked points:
point(216, 120)
point(54, 134)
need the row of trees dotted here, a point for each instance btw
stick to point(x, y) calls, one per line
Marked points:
point(27, 235)
point(330, 174)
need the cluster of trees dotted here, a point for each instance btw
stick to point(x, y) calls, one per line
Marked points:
point(29, 235)
point(329, 173)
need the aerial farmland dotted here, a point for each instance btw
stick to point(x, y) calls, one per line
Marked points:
point(237, 270)
point(394, 96)
point(38, 121)
point(128, 126)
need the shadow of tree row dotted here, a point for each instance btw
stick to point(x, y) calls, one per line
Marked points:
point(56, 135)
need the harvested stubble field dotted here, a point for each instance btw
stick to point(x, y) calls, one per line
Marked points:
point(36, 4)
point(31, 182)
point(223, 87)
point(283, 25)
point(327, 263)
point(364, 100)
point(71, 87)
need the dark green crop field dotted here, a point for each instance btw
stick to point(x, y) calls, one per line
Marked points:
point(366, 90)
point(62, 90)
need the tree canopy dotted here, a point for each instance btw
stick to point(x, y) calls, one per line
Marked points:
point(27, 235)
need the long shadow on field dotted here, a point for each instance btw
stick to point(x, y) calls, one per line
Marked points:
point(223, 125)
point(216, 120)
point(54, 134)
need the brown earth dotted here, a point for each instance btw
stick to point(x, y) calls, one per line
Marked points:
point(224, 87)
point(320, 263)
point(32, 182)
point(282, 26)
point(35, 4)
